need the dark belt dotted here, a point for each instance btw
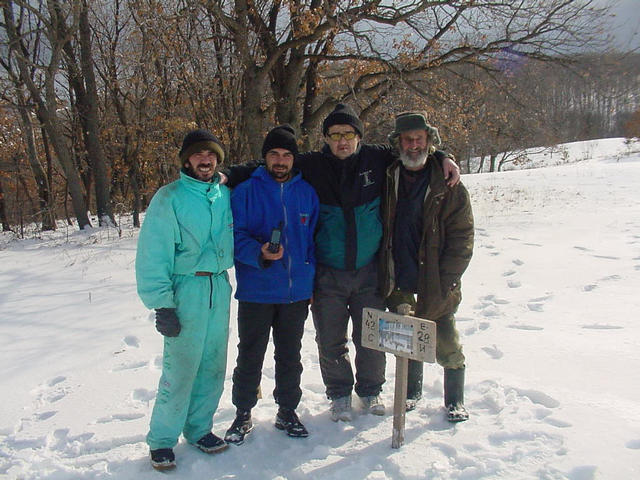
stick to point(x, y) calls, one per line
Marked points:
point(203, 274)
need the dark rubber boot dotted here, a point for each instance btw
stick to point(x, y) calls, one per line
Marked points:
point(454, 395)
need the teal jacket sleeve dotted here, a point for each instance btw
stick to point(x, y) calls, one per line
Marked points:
point(155, 255)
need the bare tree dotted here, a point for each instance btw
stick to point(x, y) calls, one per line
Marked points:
point(45, 96)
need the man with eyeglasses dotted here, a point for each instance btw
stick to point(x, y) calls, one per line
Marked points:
point(348, 177)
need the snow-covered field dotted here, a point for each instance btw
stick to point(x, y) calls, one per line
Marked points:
point(550, 322)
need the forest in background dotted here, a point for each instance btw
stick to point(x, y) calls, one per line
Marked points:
point(95, 97)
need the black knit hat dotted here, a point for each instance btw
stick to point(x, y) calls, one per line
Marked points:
point(342, 115)
point(198, 140)
point(282, 136)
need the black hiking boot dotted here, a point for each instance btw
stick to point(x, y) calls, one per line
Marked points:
point(287, 420)
point(211, 443)
point(163, 459)
point(240, 427)
point(454, 395)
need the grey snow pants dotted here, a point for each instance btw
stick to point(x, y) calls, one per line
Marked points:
point(338, 295)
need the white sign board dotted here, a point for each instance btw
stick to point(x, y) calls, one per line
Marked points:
point(402, 335)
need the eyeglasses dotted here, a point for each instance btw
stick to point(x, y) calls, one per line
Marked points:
point(337, 136)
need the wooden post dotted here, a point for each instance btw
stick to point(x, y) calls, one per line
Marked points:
point(399, 401)
point(407, 338)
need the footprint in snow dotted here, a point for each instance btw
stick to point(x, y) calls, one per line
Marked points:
point(120, 417)
point(633, 444)
point(541, 299)
point(536, 307)
point(608, 278)
point(131, 341)
point(494, 352)
point(585, 249)
point(556, 422)
point(508, 273)
point(514, 284)
point(517, 261)
point(490, 311)
point(607, 257)
point(45, 415)
point(143, 395)
point(156, 363)
point(600, 326)
point(56, 380)
point(538, 397)
point(494, 299)
point(590, 287)
point(518, 326)
point(129, 366)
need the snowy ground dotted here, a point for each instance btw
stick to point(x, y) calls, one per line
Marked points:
point(550, 322)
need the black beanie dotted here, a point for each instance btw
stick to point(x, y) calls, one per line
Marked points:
point(342, 115)
point(198, 140)
point(282, 136)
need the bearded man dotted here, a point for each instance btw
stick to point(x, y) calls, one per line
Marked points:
point(427, 245)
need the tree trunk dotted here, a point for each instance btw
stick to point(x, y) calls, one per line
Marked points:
point(253, 117)
point(3, 211)
point(91, 123)
point(40, 176)
point(46, 111)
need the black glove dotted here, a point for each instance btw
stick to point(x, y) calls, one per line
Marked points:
point(167, 322)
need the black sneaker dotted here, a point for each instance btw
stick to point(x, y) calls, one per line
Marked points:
point(211, 443)
point(163, 459)
point(240, 427)
point(287, 420)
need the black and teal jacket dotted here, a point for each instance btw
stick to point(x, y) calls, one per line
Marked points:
point(349, 228)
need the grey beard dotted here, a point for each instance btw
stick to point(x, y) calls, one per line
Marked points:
point(411, 163)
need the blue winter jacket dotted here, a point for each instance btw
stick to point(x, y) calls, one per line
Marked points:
point(188, 228)
point(259, 205)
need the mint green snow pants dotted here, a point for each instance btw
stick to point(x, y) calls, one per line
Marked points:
point(194, 363)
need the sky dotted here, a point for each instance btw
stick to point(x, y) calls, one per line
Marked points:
point(625, 24)
point(549, 322)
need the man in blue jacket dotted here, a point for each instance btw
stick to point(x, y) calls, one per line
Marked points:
point(274, 281)
point(184, 250)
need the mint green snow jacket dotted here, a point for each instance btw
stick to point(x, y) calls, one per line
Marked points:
point(188, 228)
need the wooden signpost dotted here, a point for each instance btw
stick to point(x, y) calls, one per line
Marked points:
point(406, 337)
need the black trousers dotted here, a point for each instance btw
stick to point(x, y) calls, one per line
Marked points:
point(255, 321)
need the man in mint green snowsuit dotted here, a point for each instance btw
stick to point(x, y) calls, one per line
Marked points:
point(184, 250)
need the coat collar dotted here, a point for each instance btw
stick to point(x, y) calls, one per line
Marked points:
point(262, 174)
point(198, 185)
point(437, 184)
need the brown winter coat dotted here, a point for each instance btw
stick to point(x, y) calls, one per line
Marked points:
point(446, 246)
